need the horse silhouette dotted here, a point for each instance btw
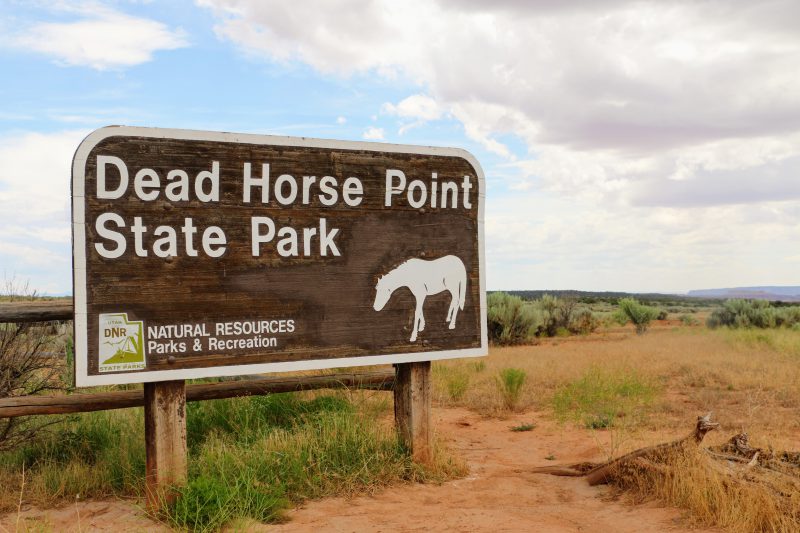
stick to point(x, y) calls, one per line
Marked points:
point(424, 278)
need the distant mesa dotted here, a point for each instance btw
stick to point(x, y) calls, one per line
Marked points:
point(785, 294)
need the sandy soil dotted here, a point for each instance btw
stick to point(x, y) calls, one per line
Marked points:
point(499, 494)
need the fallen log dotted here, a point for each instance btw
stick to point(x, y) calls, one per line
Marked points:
point(601, 473)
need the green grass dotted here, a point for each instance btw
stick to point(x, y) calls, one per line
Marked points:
point(529, 426)
point(510, 382)
point(600, 398)
point(783, 340)
point(249, 458)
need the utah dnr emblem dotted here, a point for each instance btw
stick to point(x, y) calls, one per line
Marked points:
point(121, 343)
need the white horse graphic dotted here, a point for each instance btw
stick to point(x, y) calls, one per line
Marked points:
point(425, 278)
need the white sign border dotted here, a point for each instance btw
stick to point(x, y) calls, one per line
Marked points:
point(83, 379)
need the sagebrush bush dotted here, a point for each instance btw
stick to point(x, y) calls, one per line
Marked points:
point(584, 322)
point(737, 313)
point(557, 314)
point(640, 315)
point(511, 320)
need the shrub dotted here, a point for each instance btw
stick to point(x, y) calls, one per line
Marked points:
point(510, 382)
point(556, 314)
point(736, 313)
point(29, 364)
point(584, 322)
point(662, 315)
point(639, 314)
point(511, 320)
point(688, 320)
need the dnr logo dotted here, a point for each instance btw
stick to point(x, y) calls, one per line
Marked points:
point(121, 343)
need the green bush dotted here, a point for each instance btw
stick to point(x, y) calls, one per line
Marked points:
point(736, 313)
point(511, 320)
point(556, 314)
point(511, 382)
point(688, 320)
point(640, 315)
point(584, 322)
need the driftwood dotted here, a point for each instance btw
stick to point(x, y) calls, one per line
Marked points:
point(643, 458)
point(736, 458)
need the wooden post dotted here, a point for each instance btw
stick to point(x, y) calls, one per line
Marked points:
point(412, 408)
point(165, 440)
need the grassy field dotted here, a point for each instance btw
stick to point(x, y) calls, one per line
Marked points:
point(254, 457)
point(749, 378)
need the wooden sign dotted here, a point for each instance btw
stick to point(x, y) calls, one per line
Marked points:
point(203, 254)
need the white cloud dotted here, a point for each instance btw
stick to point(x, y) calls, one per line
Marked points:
point(101, 39)
point(415, 111)
point(341, 120)
point(374, 134)
point(416, 106)
point(643, 78)
point(643, 114)
point(35, 172)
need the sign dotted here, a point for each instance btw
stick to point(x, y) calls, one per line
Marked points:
point(202, 254)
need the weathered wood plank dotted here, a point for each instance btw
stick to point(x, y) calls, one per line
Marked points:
point(412, 408)
point(165, 441)
point(81, 403)
point(36, 311)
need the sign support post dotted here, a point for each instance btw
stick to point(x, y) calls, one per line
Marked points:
point(165, 441)
point(412, 408)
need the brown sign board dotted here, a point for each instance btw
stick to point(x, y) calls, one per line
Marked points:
point(199, 254)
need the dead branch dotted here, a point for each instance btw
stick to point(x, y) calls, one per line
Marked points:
point(600, 473)
point(770, 468)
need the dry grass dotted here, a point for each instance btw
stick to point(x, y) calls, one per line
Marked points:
point(748, 379)
point(732, 497)
point(650, 388)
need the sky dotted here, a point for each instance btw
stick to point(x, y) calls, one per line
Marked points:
point(627, 145)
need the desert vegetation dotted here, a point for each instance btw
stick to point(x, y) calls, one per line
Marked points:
point(253, 458)
point(513, 320)
point(761, 314)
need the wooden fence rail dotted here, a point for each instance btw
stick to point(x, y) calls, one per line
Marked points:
point(99, 401)
point(36, 311)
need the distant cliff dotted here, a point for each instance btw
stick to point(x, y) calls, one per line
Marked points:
point(786, 294)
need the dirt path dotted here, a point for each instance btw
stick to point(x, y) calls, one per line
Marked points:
point(500, 494)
